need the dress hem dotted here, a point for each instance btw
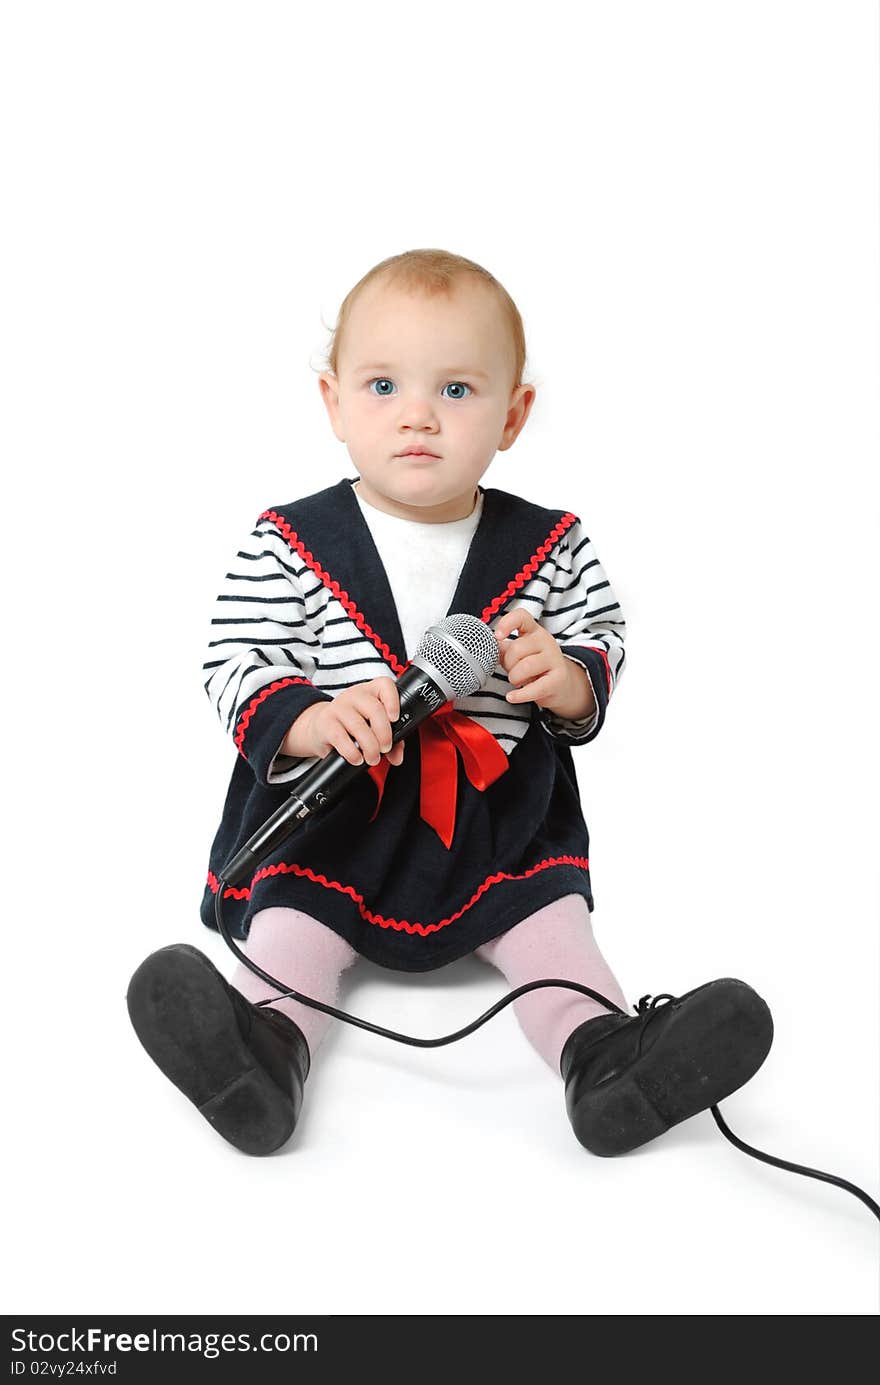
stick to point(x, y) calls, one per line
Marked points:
point(403, 951)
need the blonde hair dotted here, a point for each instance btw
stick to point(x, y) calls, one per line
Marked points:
point(431, 272)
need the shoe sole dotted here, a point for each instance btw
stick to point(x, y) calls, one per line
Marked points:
point(706, 1050)
point(185, 1019)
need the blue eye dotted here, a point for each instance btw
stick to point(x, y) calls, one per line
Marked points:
point(383, 379)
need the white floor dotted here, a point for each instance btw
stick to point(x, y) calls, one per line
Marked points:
point(446, 1181)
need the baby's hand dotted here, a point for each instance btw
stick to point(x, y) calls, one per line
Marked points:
point(534, 659)
point(357, 723)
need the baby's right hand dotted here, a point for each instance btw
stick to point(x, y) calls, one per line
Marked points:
point(359, 716)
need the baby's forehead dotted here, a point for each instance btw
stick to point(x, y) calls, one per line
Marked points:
point(467, 321)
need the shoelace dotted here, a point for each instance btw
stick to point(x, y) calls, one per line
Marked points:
point(647, 1011)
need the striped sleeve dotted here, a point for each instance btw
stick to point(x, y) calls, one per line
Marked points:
point(263, 649)
point(584, 616)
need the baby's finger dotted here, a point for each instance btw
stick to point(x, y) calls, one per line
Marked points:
point(386, 691)
point(345, 743)
point(538, 687)
point(361, 731)
point(395, 754)
point(376, 714)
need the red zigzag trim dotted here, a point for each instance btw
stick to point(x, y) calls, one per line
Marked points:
point(341, 596)
point(607, 667)
point(255, 702)
point(530, 568)
point(400, 925)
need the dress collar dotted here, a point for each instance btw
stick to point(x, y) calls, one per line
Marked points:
point(330, 532)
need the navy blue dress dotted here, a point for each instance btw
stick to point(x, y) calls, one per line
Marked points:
point(306, 610)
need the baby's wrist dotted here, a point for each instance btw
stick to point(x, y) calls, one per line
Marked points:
point(297, 742)
point(579, 701)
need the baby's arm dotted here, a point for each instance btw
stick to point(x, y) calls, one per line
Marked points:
point(583, 706)
point(263, 650)
point(584, 616)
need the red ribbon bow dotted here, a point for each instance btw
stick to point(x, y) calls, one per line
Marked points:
point(439, 735)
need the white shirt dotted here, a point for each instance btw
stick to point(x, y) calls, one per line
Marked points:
point(423, 563)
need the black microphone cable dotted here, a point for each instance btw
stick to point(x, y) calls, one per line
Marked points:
point(645, 1009)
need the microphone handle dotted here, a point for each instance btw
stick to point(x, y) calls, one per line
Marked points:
point(420, 696)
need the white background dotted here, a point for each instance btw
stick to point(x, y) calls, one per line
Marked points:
point(682, 198)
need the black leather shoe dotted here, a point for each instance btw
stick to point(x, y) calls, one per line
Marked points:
point(242, 1065)
point(629, 1078)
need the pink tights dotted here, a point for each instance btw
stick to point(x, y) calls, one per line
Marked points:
point(556, 941)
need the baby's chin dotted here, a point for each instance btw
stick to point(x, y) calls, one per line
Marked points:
point(437, 501)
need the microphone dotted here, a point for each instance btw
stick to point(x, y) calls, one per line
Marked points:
point(454, 658)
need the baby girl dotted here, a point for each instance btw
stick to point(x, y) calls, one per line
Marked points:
point(468, 837)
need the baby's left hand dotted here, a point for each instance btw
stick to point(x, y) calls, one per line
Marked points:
point(539, 670)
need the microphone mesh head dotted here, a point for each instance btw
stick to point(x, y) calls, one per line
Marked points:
point(461, 650)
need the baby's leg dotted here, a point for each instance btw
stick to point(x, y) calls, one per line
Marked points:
point(302, 952)
point(557, 941)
